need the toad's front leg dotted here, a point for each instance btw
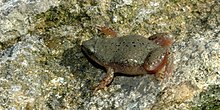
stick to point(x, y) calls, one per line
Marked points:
point(106, 80)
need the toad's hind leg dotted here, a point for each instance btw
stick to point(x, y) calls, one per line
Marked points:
point(159, 62)
point(106, 80)
point(156, 60)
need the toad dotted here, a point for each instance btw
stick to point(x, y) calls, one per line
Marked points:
point(130, 55)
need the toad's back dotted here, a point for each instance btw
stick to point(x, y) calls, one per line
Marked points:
point(127, 50)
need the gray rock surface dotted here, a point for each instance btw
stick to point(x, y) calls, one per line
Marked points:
point(16, 16)
point(42, 66)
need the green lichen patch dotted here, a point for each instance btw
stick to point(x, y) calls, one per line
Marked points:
point(54, 17)
point(209, 99)
point(9, 43)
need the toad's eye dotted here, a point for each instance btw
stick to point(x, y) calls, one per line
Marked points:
point(91, 49)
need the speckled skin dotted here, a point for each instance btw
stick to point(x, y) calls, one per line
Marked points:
point(131, 55)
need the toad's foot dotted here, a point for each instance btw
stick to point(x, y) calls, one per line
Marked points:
point(162, 39)
point(107, 31)
point(106, 80)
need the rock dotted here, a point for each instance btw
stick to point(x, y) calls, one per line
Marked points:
point(42, 66)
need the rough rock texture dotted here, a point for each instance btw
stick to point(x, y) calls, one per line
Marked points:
point(42, 66)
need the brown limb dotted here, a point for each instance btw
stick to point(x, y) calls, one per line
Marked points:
point(162, 39)
point(106, 80)
point(107, 31)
